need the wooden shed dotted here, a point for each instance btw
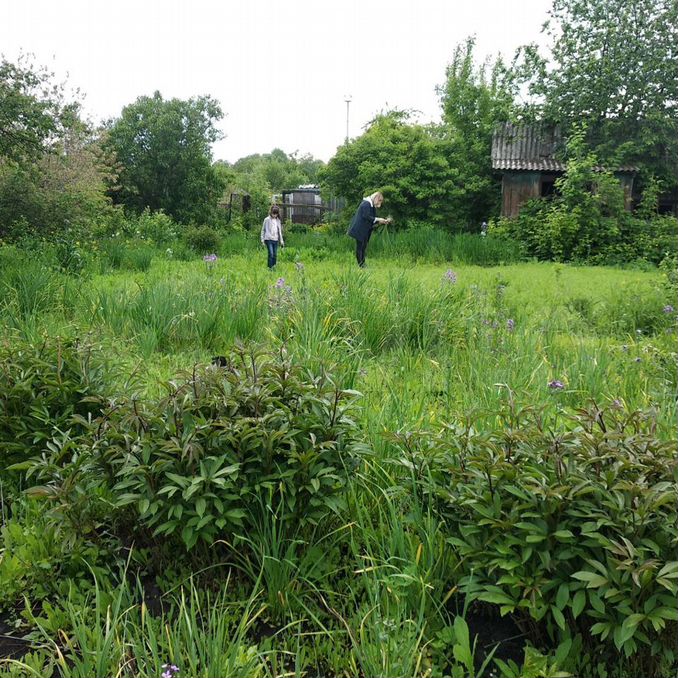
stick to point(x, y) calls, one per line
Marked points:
point(526, 157)
point(304, 205)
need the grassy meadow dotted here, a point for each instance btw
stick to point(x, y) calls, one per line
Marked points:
point(493, 493)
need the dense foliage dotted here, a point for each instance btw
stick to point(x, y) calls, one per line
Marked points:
point(225, 506)
point(30, 110)
point(571, 526)
point(611, 64)
point(587, 219)
point(53, 171)
point(474, 98)
point(164, 151)
point(253, 435)
point(41, 388)
point(408, 163)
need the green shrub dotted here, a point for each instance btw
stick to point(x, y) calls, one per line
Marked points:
point(138, 256)
point(69, 256)
point(41, 388)
point(258, 432)
point(156, 227)
point(669, 268)
point(202, 239)
point(572, 529)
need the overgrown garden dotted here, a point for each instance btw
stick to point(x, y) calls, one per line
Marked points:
point(460, 461)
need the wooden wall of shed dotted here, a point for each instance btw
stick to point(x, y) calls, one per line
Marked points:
point(626, 181)
point(516, 189)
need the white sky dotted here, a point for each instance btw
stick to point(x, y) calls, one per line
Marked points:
point(280, 70)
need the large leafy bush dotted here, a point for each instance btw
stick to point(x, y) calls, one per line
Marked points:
point(258, 433)
point(571, 530)
point(41, 388)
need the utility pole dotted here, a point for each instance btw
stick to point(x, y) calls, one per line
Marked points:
point(347, 99)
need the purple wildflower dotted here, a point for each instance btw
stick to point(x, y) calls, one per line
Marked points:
point(166, 674)
point(450, 276)
point(637, 360)
point(510, 324)
point(617, 403)
point(556, 385)
point(280, 283)
point(209, 258)
point(668, 308)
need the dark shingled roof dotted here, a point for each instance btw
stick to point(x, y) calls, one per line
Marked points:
point(531, 147)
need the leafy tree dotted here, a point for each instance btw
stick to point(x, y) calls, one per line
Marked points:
point(65, 189)
point(263, 175)
point(164, 150)
point(53, 171)
point(474, 99)
point(30, 109)
point(441, 174)
point(612, 64)
point(280, 170)
point(409, 163)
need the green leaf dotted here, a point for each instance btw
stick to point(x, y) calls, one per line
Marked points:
point(669, 571)
point(558, 616)
point(200, 506)
point(535, 538)
point(593, 580)
point(562, 596)
point(496, 597)
point(578, 603)
point(596, 603)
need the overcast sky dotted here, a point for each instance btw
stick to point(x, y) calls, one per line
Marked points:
point(280, 70)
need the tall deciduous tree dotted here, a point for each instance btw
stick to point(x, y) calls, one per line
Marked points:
point(409, 163)
point(164, 151)
point(474, 98)
point(612, 65)
point(53, 171)
point(30, 109)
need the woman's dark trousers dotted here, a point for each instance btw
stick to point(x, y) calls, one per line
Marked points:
point(360, 250)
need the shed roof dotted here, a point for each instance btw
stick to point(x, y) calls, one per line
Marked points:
point(533, 148)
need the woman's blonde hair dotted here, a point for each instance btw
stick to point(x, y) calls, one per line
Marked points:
point(376, 194)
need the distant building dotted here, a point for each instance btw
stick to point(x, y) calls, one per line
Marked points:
point(304, 205)
point(526, 158)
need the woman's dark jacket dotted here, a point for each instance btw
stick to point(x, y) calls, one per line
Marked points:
point(363, 221)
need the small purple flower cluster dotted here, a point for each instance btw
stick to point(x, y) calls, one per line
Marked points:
point(210, 259)
point(668, 309)
point(282, 294)
point(450, 276)
point(510, 324)
point(556, 385)
point(170, 671)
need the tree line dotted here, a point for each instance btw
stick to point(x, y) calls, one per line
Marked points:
point(607, 77)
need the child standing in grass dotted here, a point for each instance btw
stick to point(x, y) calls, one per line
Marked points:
point(272, 235)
